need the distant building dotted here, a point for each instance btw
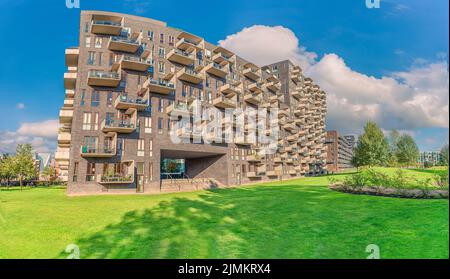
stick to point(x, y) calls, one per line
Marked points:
point(351, 140)
point(41, 160)
point(339, 151)
point(432, 157)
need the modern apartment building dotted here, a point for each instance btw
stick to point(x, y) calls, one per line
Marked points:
point(132, 83)
point(431, 157)
point(339, 151)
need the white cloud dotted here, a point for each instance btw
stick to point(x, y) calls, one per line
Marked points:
point(407, 100)
point(41, 135)
point(20, 106)
point(265, 44)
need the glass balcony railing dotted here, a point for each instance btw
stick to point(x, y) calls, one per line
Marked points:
point(106, 22)
point(124, 40)
point(162, 83)
point(183, 53)
point(102, 74)
point(95, 150)
point(138, 101)
point(118, 123)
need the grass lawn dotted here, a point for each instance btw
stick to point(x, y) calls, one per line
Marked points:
point(291, 219)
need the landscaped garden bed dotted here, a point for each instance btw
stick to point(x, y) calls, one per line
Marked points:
point(369, 181)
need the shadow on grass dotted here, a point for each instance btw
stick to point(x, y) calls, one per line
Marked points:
point(29, 188)
point(254, 222)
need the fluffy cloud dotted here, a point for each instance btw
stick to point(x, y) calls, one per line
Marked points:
point(41, 135)
point(252, 44)
point(409, 100)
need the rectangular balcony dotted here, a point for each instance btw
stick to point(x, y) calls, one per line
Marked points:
point(216, 69)
point(187, 41)
point(106, 25)
point(103, 79)
point(181, 57)
point(296, 78)
point(252, 74)
point(125, 102)
point(252, 98)
point(189, 75)
point(64, 138)
point(254, 158)
point(110, 176)
point(255, 88)
point(65, 116)
point(135, 63)
point(70, 80)
point(252, 174)
point(272, 173)
point(224, 102)
point(178, 109)
point(159, 86)
point(277, 160)
point(119, 126)
point(242, 141)
point(124, 44)
point(230, 90)
point(272, 86)
point(289, 126)
point(292, 172)
point(94, 152)
point(72, 57)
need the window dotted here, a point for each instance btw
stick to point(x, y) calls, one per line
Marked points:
point(90, 144)
point(87, 41)
point(150, 35)
point(147, 125)
point(90, 172)
point(83, 95)
point(91, 58)
point(150, 171)
point(95, 99)
point(141, 147)
point(162, 52)
point(161, 67)
point(161, 38)
point(100, 58)
point(207, 53)
point(169, 124)
point(86, 27)
point(160, 125)
point(86, 121)
point(120, 145)
point(98, 42)
point(171, 40)
point(109, 99)
point(95, 123)
point(112, 59)
point(160, 105)
point(184, 89)
point(75, 172)
point(151, 148)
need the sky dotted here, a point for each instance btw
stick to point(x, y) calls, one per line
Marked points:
point(386, 64)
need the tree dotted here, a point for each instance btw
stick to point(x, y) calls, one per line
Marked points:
point(444, 155)
point(23, 165)
point(407, 151)
point(7, 168)
point(49, 173)
point(372, 148)
point(394, 136)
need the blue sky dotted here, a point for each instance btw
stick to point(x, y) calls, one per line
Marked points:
point(400, 37)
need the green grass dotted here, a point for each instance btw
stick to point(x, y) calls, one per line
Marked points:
point(290, 219)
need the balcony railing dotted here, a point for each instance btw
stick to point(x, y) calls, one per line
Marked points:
point(125, 102)
point(88, 151)
point(216, 69)
point(181, 57)
point(106, 27)
point(159, 86)
point(103, 78)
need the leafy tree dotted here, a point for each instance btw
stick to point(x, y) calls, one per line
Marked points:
point(23, 165)
point(372, 148)
point(444, 155)
point(7, 168)
point(394, 136)
point(407, 151)
point(49, 173)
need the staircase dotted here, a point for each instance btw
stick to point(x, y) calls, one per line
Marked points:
point(187, 184)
